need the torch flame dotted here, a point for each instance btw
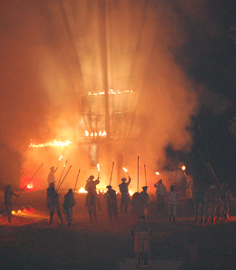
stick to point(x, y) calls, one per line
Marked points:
point(125, 169)
point(60, 157)
point(54, 143)
point(98, 166)
point(183, 168)
point(157, 173)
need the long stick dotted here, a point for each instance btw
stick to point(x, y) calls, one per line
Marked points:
point(145, 175)
point(213, 173)
point(77, 180)
point(138, 176)
point(61, 175)
point(111, 172)
point(27, 183)
point(64, 178)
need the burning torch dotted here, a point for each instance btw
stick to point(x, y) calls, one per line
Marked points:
point(126, 171)
point(59, 160)
point(157, 173)
point(111, 171)
point(98, 166)
point(61, 174)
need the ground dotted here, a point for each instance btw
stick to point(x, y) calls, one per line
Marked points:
point(30, 243)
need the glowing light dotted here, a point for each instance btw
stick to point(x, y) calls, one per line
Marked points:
point(60, 157)
point(125, 169)
point(29, 186)
point(98, 166)
point(19, 211)
point(95, 134)
point(82, 190)
point(183, 168)
point(53, 144)
point(13, 212)
point(157, 173)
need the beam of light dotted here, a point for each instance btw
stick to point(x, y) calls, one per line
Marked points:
point(53, 144)
point(157, 173)
point(183, 168)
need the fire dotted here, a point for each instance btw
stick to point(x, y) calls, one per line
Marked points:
point(53, 144)
point(29, 186)
point(60, 158)
point(95, 134)
point(183, 168)
point(82, 190)
point(98, 166)
point(157, 173)
point(125, 169)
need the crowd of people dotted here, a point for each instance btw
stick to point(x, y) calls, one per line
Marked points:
point(209, 204)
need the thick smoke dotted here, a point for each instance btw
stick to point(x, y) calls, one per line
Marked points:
point(52, 52)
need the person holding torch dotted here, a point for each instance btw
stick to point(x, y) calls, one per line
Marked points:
point(124, 190)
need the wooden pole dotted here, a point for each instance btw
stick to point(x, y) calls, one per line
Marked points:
point(138, 177)
point(77, 180)
point(111, 172)
point(145, 175)
point(27, 183)
point(61, 174)
point(64, 178)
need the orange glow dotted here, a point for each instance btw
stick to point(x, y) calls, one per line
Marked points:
point(183, 168)
point(157, 173)
point(95, 134)
point(98, 166)
point(60, 157)
point(29, 186)
point(82, 190)
point(53, 144)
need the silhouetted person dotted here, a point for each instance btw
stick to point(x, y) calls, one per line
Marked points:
point(124, 190)
point(53, 202)
point(8, 201)
point(69, 202)
point(51, 175)
point(90, 203)
point(136, 209)
point(90, 183)
point(172, 202)
point(161, 193)
point(212, 202)
point(144, 199)
point(189, 187)
point(199, 199)
point(226, 197)
point(111, 200)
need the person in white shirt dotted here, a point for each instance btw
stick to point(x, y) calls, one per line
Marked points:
point(172, 202)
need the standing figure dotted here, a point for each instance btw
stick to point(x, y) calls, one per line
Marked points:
point(53, 202)
point(125, 199)
point(212, 202)
point(172, 197)
point(144, 198)
point(93, 184)
point(189, 187)
point(136, 208)
point(111, 200)
point(8, 201)
point(90, 203)
point(199, 204)
point(161, 193)
point(51, 175)
point(225, 196)
point(69, 202)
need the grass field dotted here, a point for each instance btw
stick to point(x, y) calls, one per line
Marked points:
point(30, 243)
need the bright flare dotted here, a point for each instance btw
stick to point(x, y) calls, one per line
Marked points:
point(183, 168)
point(60, 157)
point(54, 143)
point(98, 166)
point(125, 169)
point(157, 173)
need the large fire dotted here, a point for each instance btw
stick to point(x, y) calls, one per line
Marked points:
point(54, 143)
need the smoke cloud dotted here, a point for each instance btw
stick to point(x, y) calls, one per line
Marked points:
point(52, 53)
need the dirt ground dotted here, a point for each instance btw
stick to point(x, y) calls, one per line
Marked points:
point(30, 243)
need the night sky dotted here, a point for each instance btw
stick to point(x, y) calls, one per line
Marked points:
point(209, 59)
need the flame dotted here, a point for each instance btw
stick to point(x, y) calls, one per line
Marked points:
point(95, 134)
point(157, 173)
point(60, 157)
point(125, 169)
point(29, 186)
point(54, 143)
point(183, 168)
point(82, 190)
point(98, 166)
